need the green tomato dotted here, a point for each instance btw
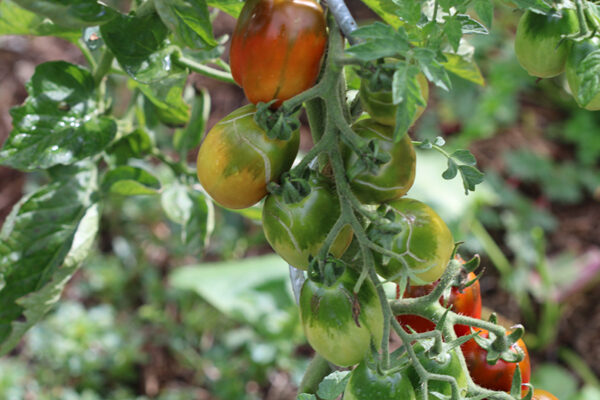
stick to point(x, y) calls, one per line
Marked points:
point(367, 384)
point(339, 324)
point(578, 53)
point(537, 42)
point(393, 178)
point(297, 231)
point(425, 244)
point(237, 160)
point(380, 104)
point(448, 364)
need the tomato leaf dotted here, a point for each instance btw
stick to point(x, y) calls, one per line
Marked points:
point(464, 156)
point(471, 177)
point(191, 210)
point(588, 74)
point(139, 44)
point(188, 20)
point(452, 170)
point(389, 11)
point(306, 396)
point(166, 95)
point(74, 14)
point(453, 30)
point(406, 93)
point(485, 11)
point(538, 6)
point(463, 68)
point(433, 70)
point(15, 20)
point(134, 145)
point(190, 137)
point(42, 243)
point(380, 40)
point(231, 7)
point(59, 122)
point(130, 181)
point(333, 385)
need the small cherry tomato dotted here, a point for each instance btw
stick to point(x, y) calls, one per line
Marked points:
point(394, 178)
point(425, 244)
point(537, 42)
point(498, 376)
point(237, 160)
point(466, 301)
point(276, 48)
point(367, 384)
point(296, 231)
point(339, 324)
point(380, 104)
point(446, 364)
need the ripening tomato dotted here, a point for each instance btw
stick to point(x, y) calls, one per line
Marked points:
point(339, 324)
point(498, 376)
point(425, 244)
point(366, 383)
point(537, 42)
point(466, 301)
point(237, 160)
point(296, 231)
point(380, 104)
point(394, 178)
point(446, 364)
point(276, 48)
point(539, 394)
point(578, 53)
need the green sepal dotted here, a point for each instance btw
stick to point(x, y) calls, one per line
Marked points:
point(278, 124)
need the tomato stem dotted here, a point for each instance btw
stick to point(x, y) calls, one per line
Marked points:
point(202, 69)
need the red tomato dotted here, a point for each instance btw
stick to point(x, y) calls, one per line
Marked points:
point(276, 48)
point(498, 376)
point(466, 301)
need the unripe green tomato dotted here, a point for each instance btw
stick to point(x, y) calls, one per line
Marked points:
point(297, 231)
point(579, 51)
point(237, 160)
point(537, 39)
point(367, 384)
point(425, 244)
point(380, 104)
point(393, 178)
point(338, 324)
point(449, 364)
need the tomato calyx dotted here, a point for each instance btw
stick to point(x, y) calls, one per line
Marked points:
point(293, 187)
point(278, 124)
point(370, 157)
point(501, 347)
point(327, 271)
point(379, 75)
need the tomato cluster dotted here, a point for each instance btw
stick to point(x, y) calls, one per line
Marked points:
point(543, 52)
point(276, 53)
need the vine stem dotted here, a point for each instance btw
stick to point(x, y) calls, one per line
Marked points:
point(202, 69)
point(343, 17)
point(103, 66)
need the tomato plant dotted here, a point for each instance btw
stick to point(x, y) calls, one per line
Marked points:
point(366, 383)
point(424, 244)
point(395, 177)
point(462, 300)
point(237, 160)
point(339, 324)
point(380, 103)
point(538, 42)
point(340, 204)
point(499, 375)
point(276, 48)
point(297, 231)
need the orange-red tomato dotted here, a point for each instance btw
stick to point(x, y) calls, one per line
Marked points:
point(466, 301)
point(276, 48)
point(539, 394)
point(498, 376)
